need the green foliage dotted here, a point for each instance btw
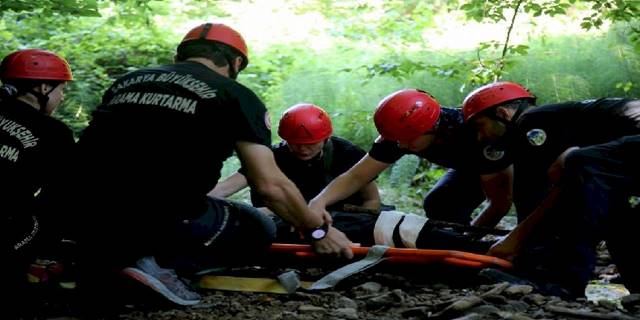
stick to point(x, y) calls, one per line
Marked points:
point(409, 195)
point(403, 171)
point(566, 69)
point(268, 70)
point(376, 48)
point(362, 20)
point(625, 86)
point(399, 67)
point(495, 9)
point(427, 175)
point(492, 69)
point(102, 49)
point(49, 7)
point(343, 94)
point(491, 57)
point(612, 10)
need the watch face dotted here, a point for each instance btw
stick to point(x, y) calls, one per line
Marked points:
point(318, 234)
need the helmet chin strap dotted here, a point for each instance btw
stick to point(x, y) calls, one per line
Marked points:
point(233, 73)
point(520, 108)
point(43, 99)
point(509, 125)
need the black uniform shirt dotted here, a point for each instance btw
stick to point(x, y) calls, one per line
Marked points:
point(544, 132)
point(161, 135)
point(454, 147)
point(34, 149)
point(311, 176)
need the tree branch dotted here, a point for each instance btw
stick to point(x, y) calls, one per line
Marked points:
point(506, 42)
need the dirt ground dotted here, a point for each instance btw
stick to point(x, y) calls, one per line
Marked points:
point(383, 292)
point(381, 295)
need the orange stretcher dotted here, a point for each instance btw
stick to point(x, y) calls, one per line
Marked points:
point(406, 256)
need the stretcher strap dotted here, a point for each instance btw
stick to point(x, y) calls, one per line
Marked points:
point(374, 256)
point(245, 284)
point(289, 282)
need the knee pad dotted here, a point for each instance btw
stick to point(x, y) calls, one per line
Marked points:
point(408, 227)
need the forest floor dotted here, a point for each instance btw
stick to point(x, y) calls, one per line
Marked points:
point(384, 292)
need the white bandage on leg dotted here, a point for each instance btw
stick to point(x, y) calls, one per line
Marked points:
point(386, 223)
point(410, 229)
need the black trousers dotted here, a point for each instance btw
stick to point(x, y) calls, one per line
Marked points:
point(228, 233)
point(594, 205)
point(225, 233)
point(454, 197)
point(605, 177)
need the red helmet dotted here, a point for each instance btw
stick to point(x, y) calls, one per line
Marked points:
point(406, 114)
point(305, 123)
point(491, 95)
point(35, 64)
point(220, 33)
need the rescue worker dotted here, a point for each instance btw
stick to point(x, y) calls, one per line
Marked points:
point(410, 121)
point(34, 150)
point(560, 153)
point(311, 157)
point(154, 149)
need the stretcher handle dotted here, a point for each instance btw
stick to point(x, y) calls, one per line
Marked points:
point(406, 255)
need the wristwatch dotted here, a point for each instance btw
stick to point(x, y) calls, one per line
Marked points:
point(318, 233)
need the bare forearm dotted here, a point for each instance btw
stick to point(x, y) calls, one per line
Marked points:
point(490, 216)
point(282, 197)
point(371, 197)
point(522, 231)
point(278, 192)
point(229, 186)
point(498, 189)
point(339, 189)
point(220, 192)
point(373, 205)
point(348, 183)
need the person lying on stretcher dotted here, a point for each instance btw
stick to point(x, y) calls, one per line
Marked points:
point(398, 229)
point(311, 157)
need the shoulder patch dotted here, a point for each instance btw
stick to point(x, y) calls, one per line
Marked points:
point(493, 154)
point(536, 137)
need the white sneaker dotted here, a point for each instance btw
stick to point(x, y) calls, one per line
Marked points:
point(163, 281)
